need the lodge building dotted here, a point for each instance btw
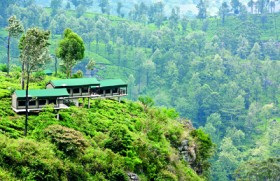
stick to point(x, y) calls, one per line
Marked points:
point(60, 92)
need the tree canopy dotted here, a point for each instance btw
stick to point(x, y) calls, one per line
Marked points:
point(70, 49)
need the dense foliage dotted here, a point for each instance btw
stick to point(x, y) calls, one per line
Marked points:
point(105, 142)
point(221, 72)
point(70, 50)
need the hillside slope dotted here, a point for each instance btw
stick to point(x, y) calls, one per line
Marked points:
point(109, 141)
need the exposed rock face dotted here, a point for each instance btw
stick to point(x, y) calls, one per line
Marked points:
point(187, 151)
point(133, 177)
point(188, 148)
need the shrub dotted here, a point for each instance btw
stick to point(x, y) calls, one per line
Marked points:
point(78, 74)
point(11, 128)
point(76, 171)
point(30, 160)
point(5, 175)
point(146, 101)
point(118, 175)
point(68, 140)
point(38, 76)
point(3, 68)
point(166, 175)
point(120, 140)
point(104, 164)
point(205, 149)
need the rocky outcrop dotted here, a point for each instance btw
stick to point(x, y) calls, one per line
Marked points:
point(187, 151)
point(133, 176)
point(187, 148)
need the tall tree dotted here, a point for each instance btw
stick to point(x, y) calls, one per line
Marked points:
point(15, 28)
point(174, 18)
point(33, 54)
point(251, 4)
point(131, 85)
point(90, 66)
point(223, 11)
point(268, 169)
point(88, 38)
point(255, 52)
point(229, 156)
point(235, 4)
point(201, 10)
point(55, 5)
point(104, 5)
point(272, 6)
point(119, 7)
point(71, 49)
point(262, 5)
point(155, 13)
point(243, 13)
point(85, 3)
point(184, 23)
point(149, 66)
point(242, 47)
point(213, 127)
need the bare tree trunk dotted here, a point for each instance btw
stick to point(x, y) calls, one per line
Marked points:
point(70, 72)
point(8, 55)
point(22, 76)
point(26, 105)
point(55, 66)
point(67, 70)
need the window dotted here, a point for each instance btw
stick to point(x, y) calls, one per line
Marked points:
point(96, 91)
point(76, 90)
point(108, 91)
point(115, 90)
point(52, 101)
point(32, 103)
point(42, 102)
point(69, 91)
point(123, 91)
point(84, 90)
point(21, 103)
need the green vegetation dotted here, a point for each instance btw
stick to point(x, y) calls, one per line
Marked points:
point(33, 55)
point(15, 29)
point(221, 72)
point(70, 49)
point(104, 142)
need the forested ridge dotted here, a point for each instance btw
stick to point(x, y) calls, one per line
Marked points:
point(221, 72)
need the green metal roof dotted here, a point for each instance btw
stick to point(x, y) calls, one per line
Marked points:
point(48, 72)
point(43, 93)
point(111, 83)
point(75, 82)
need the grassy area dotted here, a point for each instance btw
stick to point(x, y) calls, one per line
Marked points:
point(111, 72)
point(97, 58)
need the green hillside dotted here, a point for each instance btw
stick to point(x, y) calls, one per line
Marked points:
point(105, 142)
point(221, 72)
